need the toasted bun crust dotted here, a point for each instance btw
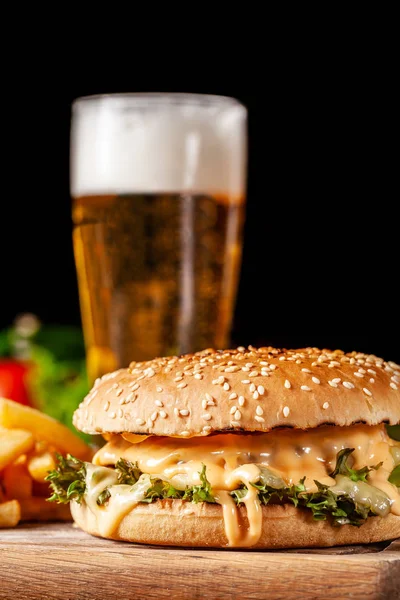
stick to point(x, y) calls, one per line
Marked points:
point(195, 394)
point(178, 523)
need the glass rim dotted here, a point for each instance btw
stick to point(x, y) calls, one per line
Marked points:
point(159, 99)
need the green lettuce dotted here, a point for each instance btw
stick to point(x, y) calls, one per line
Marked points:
point(68, 483)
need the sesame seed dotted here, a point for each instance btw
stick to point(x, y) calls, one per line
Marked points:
point(282, 358)
point(360, 375)
point(159, 388)
point(362, 371)
point(204, 404)
point(253, 374)
point(185, 433)
point(158, 403)
point(241, 400)
point(215, 382)
point(256, 395)
point(207, 428)
point(393, 386)
point(119, 392)
point(238, 415)
point(206, 416)
point(287, 384)
point(333, 384)
point(259, 410)
point(286, 411)
point(316, 380)
point(233, 410)
point(372, 380)
point(134, 387)
point(221, 379)
point(198, 376)
point(352, 361)
point(395, 378)
point(226, 387)
point(246, 369)
point(272, 367)
point(209, 397)
point(306, 371)
point(150, 372)
point(106, 406)
point(179, 378)
point(245, 381)
point(259, 419)
point(348, 385)
point(261, 390)
point(325, 405)
point(233, 396)
point(140, 421)
point(154, 416)
point(112, 415)
point(184, 412)
point(263, 363)
point(181, 385)
point(252, 387)
point(305, 388)
point(336, 380)
point(163, 414)
point(367, 392)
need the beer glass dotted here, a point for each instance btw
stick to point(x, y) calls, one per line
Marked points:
point(158, 193)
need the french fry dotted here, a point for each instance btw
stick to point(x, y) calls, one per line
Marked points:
point(39, 465)
point(10, 513)
point(17, 482)
point(13, 443)
point(39, 509)
point(43, 427)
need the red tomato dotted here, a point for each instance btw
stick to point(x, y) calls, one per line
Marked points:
point(12, 381)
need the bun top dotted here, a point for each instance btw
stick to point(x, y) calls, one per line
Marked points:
point(243, 390)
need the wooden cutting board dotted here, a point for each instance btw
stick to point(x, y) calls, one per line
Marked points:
point(60, 562)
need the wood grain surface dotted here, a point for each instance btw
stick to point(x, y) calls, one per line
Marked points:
point(60, 562)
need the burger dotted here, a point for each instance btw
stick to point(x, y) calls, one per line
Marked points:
point(246, 448)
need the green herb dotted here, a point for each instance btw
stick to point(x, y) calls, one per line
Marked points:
point(104, 497)
point(67, 481)
point(395, 476)
point(128, 472)
point(393, 432)
point(160, 490)
point(342, 468)
point(202, 492)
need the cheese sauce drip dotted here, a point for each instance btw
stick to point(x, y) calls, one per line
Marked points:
point(234, 459)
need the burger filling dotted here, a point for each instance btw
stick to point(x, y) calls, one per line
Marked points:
point(341, 474)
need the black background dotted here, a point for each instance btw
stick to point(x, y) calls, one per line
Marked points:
point(321, 251)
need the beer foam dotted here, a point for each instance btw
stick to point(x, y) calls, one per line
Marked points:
point(153, 143)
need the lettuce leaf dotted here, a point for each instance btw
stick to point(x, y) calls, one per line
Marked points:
point(342, 467)
point(395, 476)
point(67, 482)
point(393, 432)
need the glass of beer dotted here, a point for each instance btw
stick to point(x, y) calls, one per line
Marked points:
point(158, 190)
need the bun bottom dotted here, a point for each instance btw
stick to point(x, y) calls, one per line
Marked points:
point(178, 523)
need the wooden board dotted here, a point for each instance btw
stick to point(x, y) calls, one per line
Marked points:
point(60, 562)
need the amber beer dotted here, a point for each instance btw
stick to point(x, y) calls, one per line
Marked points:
point(157, 269)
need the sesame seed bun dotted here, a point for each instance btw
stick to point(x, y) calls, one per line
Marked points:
point(178, 523)
point(243, 390)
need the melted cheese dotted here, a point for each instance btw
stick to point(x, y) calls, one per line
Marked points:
point(122, 497)
point(231, 460)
